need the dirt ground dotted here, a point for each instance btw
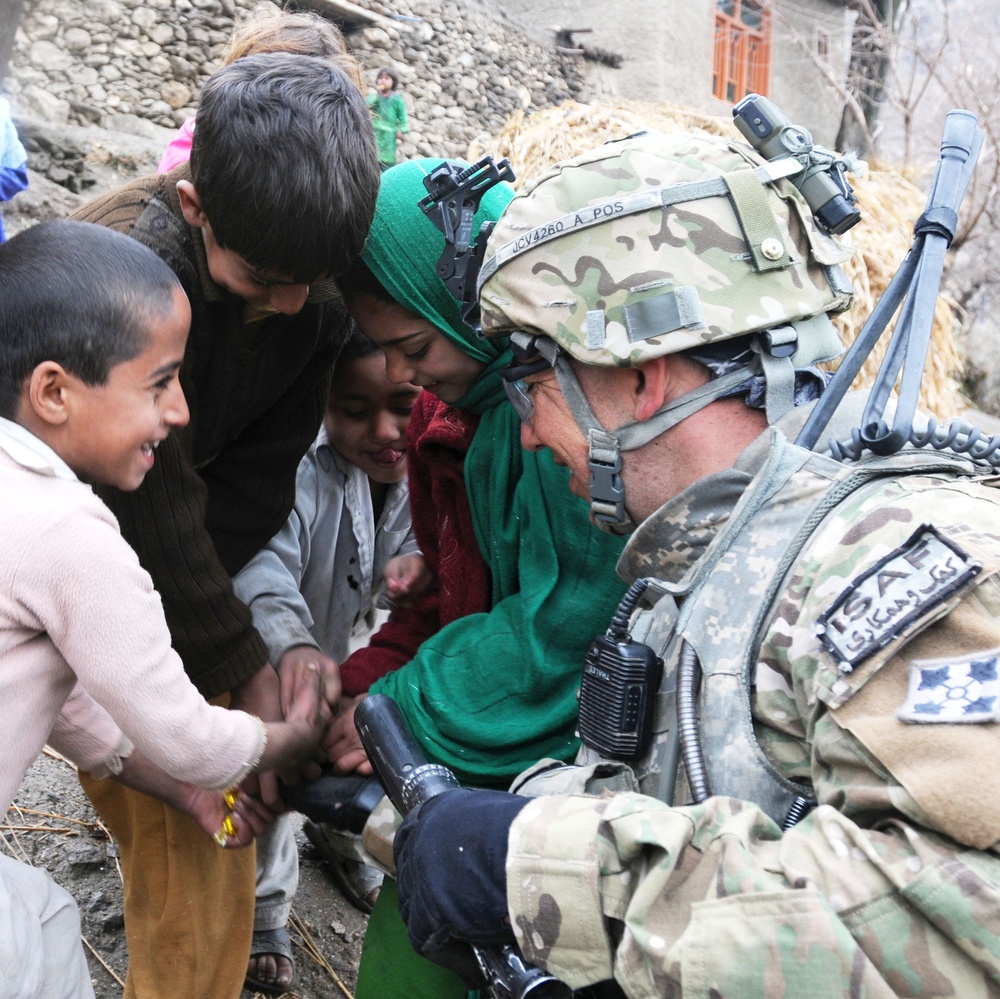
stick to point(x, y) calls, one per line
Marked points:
point(52, 825)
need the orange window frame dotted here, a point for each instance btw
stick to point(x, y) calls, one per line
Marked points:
point(742, 54)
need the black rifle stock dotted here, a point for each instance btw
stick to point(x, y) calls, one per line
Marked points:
point(410, 779)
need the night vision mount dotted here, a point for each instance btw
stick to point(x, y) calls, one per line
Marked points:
point(453, 196)
point(822, 179)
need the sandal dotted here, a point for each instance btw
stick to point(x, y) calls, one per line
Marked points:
point(356, 881)
point(276, 941)
point(342, 802)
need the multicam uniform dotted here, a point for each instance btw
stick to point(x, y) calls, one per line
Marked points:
point(891, 886)
point(846, 619)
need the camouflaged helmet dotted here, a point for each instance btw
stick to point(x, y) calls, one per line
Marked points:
point(660, 243)
point(652, 245)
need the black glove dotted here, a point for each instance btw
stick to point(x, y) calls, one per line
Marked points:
point(451, 853)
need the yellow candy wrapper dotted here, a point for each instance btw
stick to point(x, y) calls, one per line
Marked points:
point(228, 827)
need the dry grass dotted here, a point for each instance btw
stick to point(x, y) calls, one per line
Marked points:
point(889, 201)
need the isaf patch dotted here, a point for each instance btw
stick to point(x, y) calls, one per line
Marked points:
point(961, 690)
point(901, 588)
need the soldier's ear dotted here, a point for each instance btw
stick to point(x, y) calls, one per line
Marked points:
point(651, 387)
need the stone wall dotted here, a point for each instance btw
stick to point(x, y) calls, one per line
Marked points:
point(136, 67)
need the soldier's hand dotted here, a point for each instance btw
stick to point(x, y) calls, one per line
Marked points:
point(451, 855)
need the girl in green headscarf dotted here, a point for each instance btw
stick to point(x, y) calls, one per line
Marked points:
point(485, 671)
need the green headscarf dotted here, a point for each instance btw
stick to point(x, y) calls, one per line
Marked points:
point(402, 251)
point(492, 692)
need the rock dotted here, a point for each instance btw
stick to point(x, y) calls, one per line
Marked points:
point(41, 104)
point(46, 26)
point(144, 17)
point(113, 921)
point(182, 67)
point(177, 95)
point(85, 856)
point(77, 39)
point(133, 125)
point(161, 34)
point(87, 112)
point(86, 76)
point(49, 57)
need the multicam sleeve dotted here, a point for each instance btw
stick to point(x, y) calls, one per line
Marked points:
point(712, 899)
point(604, 888)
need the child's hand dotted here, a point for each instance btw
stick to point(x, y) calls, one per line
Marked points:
point(406, 578)
point(299, 658)
point(294, 746)
point(249, 816)
point(259, 695)
point(343, 744)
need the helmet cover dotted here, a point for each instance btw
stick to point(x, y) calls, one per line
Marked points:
point(640, 248)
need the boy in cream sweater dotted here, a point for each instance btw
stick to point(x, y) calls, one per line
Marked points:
point(92, 331)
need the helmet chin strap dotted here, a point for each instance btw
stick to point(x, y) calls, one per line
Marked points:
point(604, 458)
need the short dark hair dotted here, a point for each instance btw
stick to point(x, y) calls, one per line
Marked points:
point(359, 280)
point(357, 346)
point(284, 163)
point(79, 294)
point(391, 73)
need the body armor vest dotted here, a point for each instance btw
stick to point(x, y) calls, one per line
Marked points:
point(772, 523)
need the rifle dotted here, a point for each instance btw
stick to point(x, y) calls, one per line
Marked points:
point(410, 779)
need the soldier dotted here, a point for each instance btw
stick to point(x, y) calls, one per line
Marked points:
point(817, 811)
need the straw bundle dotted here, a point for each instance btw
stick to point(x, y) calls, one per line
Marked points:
point(889, 203)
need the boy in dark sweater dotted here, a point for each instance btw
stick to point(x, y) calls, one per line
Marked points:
point(276, 201)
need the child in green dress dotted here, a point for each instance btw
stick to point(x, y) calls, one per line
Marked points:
point(388, 115)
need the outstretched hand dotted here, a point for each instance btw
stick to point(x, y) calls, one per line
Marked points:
point(259, 695)
point(297, 661)
point(207, 808)
point(295, 745)
point(407, 578)
point(309, 712)
point(343, 744)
